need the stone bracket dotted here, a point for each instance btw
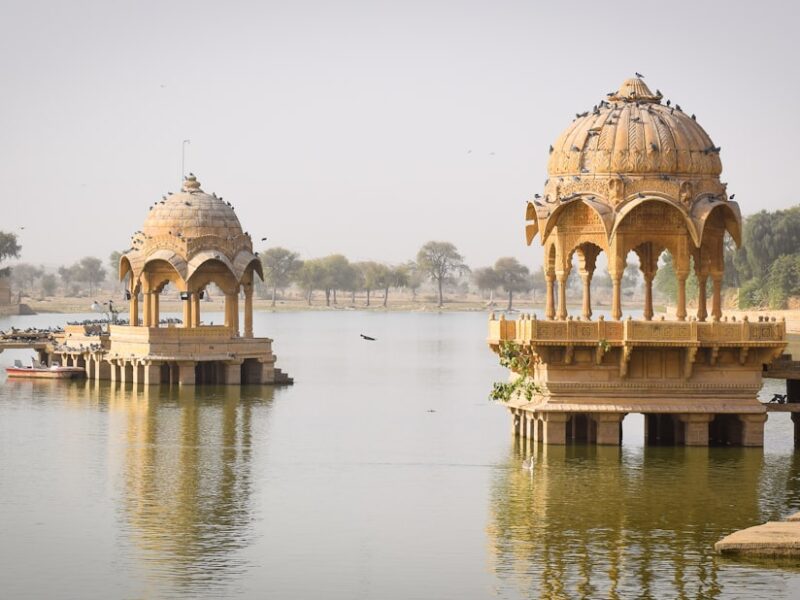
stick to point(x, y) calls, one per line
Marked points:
point(743, 354)
point(569, 353)
point(625, 358)
point(714, 355)
point(691, 354)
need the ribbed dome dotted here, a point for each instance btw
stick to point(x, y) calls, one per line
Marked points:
point(634, 133)
point(191, 214)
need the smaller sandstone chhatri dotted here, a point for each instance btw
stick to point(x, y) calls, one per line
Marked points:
point(189, 240)
point(637, 174)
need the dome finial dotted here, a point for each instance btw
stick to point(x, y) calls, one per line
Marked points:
point(634, 90)
point(190, 184)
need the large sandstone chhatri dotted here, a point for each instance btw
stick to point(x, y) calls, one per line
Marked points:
point(638, 174)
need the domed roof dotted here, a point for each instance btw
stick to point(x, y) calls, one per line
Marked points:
point(192, 213)
point(187, 230)
point(634, 133)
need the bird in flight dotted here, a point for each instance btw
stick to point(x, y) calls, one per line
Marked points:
point(263, 239)
point(366, 337)
point(639, 75)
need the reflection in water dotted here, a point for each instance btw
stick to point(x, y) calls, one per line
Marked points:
point(186, 478)
point(594, 521)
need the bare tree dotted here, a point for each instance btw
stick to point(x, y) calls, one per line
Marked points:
point(392, 277)
point(310, 277)
point(512, 276)
point(487, 281)
point(9, 248)
point(24, 276)
point(441, 261)
point(280, 268)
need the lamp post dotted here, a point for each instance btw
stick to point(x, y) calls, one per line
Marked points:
point(183, 159)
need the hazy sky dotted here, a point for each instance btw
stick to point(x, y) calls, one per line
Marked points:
point(337, 126)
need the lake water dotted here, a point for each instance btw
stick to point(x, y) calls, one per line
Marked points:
point(346, 485)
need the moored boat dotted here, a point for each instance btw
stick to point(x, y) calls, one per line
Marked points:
point(39, 371)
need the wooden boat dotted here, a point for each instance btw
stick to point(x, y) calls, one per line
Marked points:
point(39, 371)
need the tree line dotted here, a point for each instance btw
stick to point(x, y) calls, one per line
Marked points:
point(439, 262)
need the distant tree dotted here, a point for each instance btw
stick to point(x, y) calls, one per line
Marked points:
point(311, 276)
point(768, 236)
point(69, 276)
point(49, 283)
point(512, 276)
point(538, 283)
point(486, 280)
point(441, 261)
point(337, 272)
point(91, 272)
point(392, 277)
point(280, 268)
point(415, 278)
point(372, 273)
point(9, 248)
point(24, 276)
point(353, 281)
point(783, 280)
point(113, 262)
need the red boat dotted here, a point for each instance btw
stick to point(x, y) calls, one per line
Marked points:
point(39, 371)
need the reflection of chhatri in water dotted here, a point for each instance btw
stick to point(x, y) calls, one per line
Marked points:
point(187, 459)
point(635, 175)
point(610, 522)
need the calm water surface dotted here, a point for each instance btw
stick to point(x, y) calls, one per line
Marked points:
point(347, 486)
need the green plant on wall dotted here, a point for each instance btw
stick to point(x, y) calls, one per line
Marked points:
point(514, 358)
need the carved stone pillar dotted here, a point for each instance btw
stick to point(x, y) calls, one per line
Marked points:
point(133, 310)
point(248, 310)
point(702, 309)
point(550, 308)
point(155, 310)
point(648, 296)
point(196, 309)
point(148, 308)
point(680, 310)
point(616, 297)
point(716, 297)
point(187, 312)
point(562, 295)
point(586, 278)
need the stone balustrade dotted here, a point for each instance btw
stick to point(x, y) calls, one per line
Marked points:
point(529, 330)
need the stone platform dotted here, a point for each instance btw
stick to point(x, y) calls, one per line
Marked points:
point(697, 382)
point(772, 539)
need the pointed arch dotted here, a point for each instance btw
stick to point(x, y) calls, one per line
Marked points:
point(603, 211)
point(245, 260)
point(633, 204)
point(731, 215)
point(124, 267)
point(173, 258)
point(532, 223)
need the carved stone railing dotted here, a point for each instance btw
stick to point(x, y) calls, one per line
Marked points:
point(527, 330)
